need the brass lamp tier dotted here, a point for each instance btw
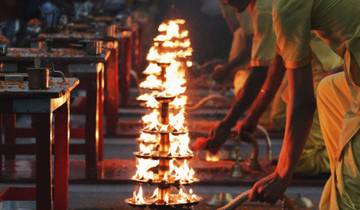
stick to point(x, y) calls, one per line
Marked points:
point(170, 130)
point(150, 89)
point(174, 39)
point(166, 183)
point(157, 156)
point(171, 49)
point(160, 205)
point(160, 63)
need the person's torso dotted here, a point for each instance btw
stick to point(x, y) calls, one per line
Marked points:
point(263, 41)
point(336, 21)
point(260, 12)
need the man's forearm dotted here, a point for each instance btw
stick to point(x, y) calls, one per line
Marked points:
point(300, 111)
point(247, 95)
point(267, 93)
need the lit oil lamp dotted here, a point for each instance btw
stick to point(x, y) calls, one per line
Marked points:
point(164, 153)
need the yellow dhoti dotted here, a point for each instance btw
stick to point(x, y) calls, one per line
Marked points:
point(342, 190)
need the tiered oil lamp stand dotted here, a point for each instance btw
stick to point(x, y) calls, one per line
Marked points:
point(161, 165)
point(164, 181)
point(162, 197)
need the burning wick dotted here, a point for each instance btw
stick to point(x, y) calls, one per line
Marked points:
point(210, 157)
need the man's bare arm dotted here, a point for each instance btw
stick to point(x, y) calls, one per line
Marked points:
point(258, 105)
point(300, 110)
point(269, 89)
point(247, 94)
point(299, 116)
point(242, 102)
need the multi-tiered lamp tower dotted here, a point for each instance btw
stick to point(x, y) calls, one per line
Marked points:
point(162, 159)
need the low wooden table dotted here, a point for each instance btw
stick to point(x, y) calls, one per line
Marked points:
point(90, 70)
point(16, 98)
point(112, 44)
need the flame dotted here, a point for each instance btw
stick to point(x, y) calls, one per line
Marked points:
point(146, 149)
point(143, 167)
point(149, 99)
point(139, 196)
point(183, 173)
point(162, 27)
point(148, 138)
point(189, 64)
point(155, 56)
point(177, 121)
point(209, 157)
point(173, 29)
point(175, 80)
point(192, 195)
point(152, 69)
point(151, 82)
point(180, 145)
point(180, 197)
point(184, 197)
point(155, 193)
point(179, 102)
point(167, 198)
point(151, 120)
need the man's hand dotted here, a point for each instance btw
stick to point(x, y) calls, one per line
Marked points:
point(215, 140)
point(220, 73)
point(218, 136)
point(269, 189)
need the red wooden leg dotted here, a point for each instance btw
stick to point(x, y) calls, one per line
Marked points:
point(126, 65)
point(43, 127)
point(112, 92)
point(9, 128)
point(100, 122)
point(92, 126)
point(1, 143)
point(136, 50)
point(61, 168)
point(139, 49)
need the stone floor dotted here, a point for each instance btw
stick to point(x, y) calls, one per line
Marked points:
point(113, 186)
point(109, 192)
point(119, 166)
point(111, 197)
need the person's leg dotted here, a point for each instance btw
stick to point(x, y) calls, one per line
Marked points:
point(314, 158)
point(348, 175)
point(333, 101)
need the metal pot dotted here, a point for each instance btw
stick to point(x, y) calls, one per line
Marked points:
point(38, 78)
